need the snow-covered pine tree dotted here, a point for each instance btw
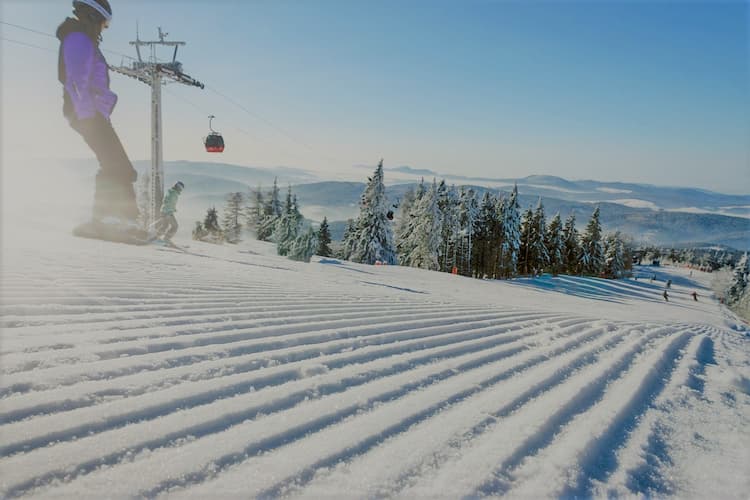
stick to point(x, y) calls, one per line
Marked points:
point(212, 227)
point(448, 205)
point(592, 251)
point(614, 259)
point(498, 234)
point(324, 239)
point(199, 232)
point(628, 252)
point(572, 252)
point(406, 240)
point(404, 227)
point(483, 239)
point(287, 227)
point(555, 245)
point(348, 239)
point(295, 209)
point(304, 245)
point(255, 211)
point(232, 218)
point(272, 209)
point(739, 283)
point(374, 236)
point(539, 248)
point(511, 235)
point(427, 231)
point(527, 233)
point(468, 213)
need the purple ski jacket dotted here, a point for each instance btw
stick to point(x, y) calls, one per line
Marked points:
point(84, 73)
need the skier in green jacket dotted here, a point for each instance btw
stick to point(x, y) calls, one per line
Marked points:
point(166, 226)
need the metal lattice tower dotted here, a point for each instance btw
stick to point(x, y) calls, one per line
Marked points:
point(155, 73)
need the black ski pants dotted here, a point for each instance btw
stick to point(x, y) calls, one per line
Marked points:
point(114, 195)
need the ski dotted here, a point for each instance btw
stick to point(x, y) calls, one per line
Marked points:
point(166, 244)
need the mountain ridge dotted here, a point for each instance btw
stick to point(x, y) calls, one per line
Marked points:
point(689, 214)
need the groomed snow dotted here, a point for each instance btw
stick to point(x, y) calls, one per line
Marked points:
point(228, 371)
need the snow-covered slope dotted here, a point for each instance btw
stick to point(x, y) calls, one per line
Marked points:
point(145, 371)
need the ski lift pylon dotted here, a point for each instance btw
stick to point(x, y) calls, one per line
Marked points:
point(214, 142)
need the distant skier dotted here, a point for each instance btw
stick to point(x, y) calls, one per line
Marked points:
point(695, 296)
point(665, 295)
point(88, 104)
point(166, 226)
point(669, 283)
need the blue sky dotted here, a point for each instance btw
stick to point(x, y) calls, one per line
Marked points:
point(652, 92)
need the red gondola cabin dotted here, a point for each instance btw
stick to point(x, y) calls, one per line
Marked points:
point(214, 142)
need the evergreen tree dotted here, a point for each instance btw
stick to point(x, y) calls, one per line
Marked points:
point(287, 226)
point(405, 227)
point(628, 252)
point(199, 232)
point(572, 252)
point(468, 213)
point(212, 227)
point(527, 234)
point(483, 239)
point(448, 204)
point(427, 231)
point(324, 239)
point(267, 227)
point(592, 251)
point(304, 245)
point(272, 209)
point(555, 245)
point(497, 235)
point(347, 242)
point(406, 241)
point(614, 258)
point(739, 281)
point(232, 215)
point(539, 255)
point(295, 208)
point(374, 237)
point(511, 248)
point(211, 222)
point(255, 214)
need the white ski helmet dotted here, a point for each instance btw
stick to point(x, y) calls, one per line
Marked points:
point(100, 6)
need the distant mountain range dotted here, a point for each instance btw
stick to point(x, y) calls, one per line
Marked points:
point(651, 214)
point(644, 224)
point(679, 199)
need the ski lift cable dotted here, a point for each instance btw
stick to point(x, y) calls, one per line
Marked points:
point(42, 33)
point(205, 112)
point(258, 117)
point(269, 123)
point(213, 90)
point(31, 45)
point(27, 29)
point(166, 90)
point(243, 131)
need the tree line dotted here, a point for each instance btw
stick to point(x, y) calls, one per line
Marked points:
point(440, 228)
point(450, 229)
point(271, 219)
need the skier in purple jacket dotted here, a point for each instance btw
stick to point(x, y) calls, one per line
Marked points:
point(88, 104)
